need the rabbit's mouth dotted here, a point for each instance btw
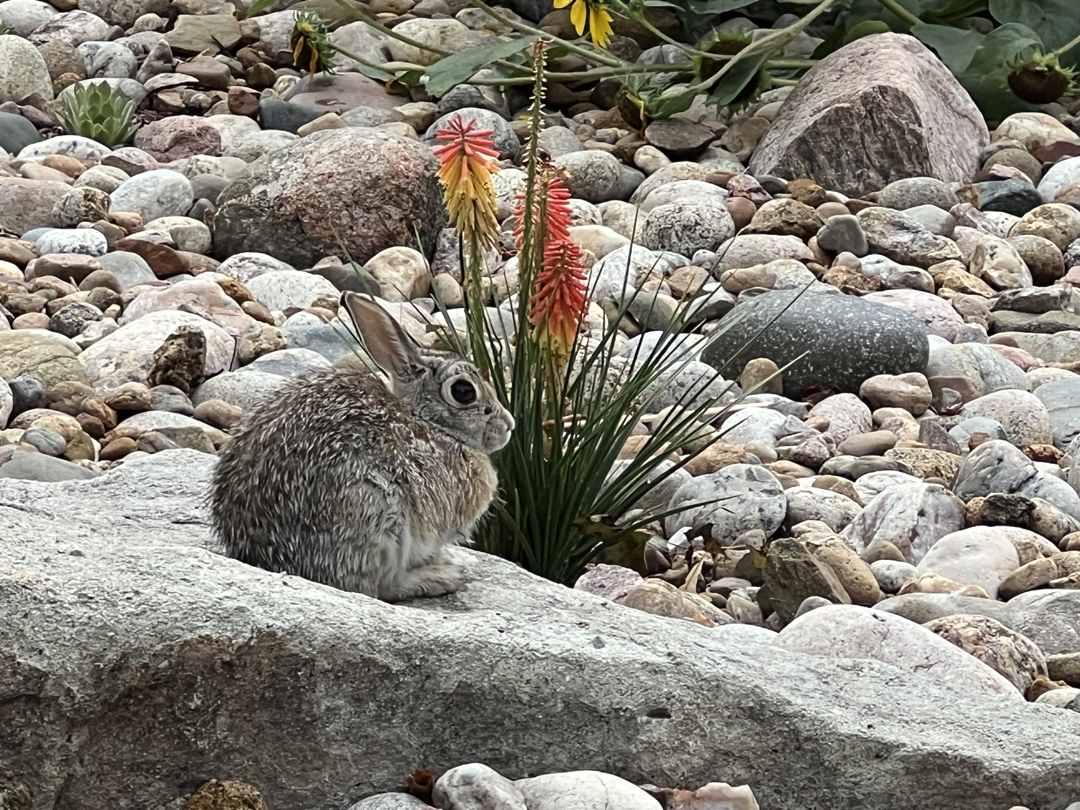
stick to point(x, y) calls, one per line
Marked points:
point(498, 432)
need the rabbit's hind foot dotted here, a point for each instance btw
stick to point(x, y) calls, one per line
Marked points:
point(437, 579)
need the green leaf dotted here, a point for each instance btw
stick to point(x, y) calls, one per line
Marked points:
point(931, 11)
point(664, 106)
point(865, 29)
point(735, 81)
point(452, 70)
point(950, 11)
point(374, 73)
point(1056, 22)
point(257, 7)
point(955, 47)
point(986, 77)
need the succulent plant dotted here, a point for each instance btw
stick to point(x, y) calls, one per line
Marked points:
point(3, 28)
point(97, 111)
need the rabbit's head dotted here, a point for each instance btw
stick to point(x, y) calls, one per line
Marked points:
point(442, 389)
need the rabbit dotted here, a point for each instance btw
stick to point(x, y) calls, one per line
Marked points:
point(359, 483)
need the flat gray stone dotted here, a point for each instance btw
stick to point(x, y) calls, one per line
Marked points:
point(497, 655)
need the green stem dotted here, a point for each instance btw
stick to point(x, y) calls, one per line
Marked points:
point(363, 16)
point(1068, 46)
point(640, 17)
point(586, 75)
point(900, 11)
point(766, 42)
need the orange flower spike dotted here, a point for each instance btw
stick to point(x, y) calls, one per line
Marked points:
point(465, 166)
point(558, 301)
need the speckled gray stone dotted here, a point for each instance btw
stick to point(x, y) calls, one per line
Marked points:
point(997, 466)
point(592, 175)
point(913, 191)
point(745, 497)
point(689, 226)
point(845, 340)
point(154, 194)
point(899, 237)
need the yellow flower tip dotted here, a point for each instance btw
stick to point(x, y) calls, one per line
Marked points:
point(465, 156)
point(600, 27)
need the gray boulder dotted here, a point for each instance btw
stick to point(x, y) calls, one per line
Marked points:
point(140, 664)
point(889, 93)
point(845, 340)
point(365, 187)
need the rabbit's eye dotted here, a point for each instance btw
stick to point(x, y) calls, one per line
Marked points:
point(463, 392)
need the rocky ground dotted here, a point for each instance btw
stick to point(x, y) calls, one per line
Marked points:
point(911, 478)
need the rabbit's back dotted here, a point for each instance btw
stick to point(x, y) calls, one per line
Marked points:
point(335, 480)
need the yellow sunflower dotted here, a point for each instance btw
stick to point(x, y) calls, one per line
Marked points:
point(593, 14)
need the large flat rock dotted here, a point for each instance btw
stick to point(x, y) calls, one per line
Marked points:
point(880, 109)
point(135, 664)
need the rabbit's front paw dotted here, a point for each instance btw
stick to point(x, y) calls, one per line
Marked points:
point(426, 580)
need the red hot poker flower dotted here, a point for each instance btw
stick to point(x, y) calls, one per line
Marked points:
point(466, 158)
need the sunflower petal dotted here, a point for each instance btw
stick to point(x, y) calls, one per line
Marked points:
point(579, 14)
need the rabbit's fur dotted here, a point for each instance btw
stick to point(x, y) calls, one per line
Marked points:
point(346, 480)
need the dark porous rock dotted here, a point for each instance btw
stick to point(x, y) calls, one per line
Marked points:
point(72, 318)
point(679, 138)
point(846, 340)
point(366, 187)
point(893, 97)
point(326, 676)
point(180, 361)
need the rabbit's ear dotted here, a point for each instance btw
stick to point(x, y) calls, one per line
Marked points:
point(388, 344)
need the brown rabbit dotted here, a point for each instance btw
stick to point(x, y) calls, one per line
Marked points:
point(358, 483)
